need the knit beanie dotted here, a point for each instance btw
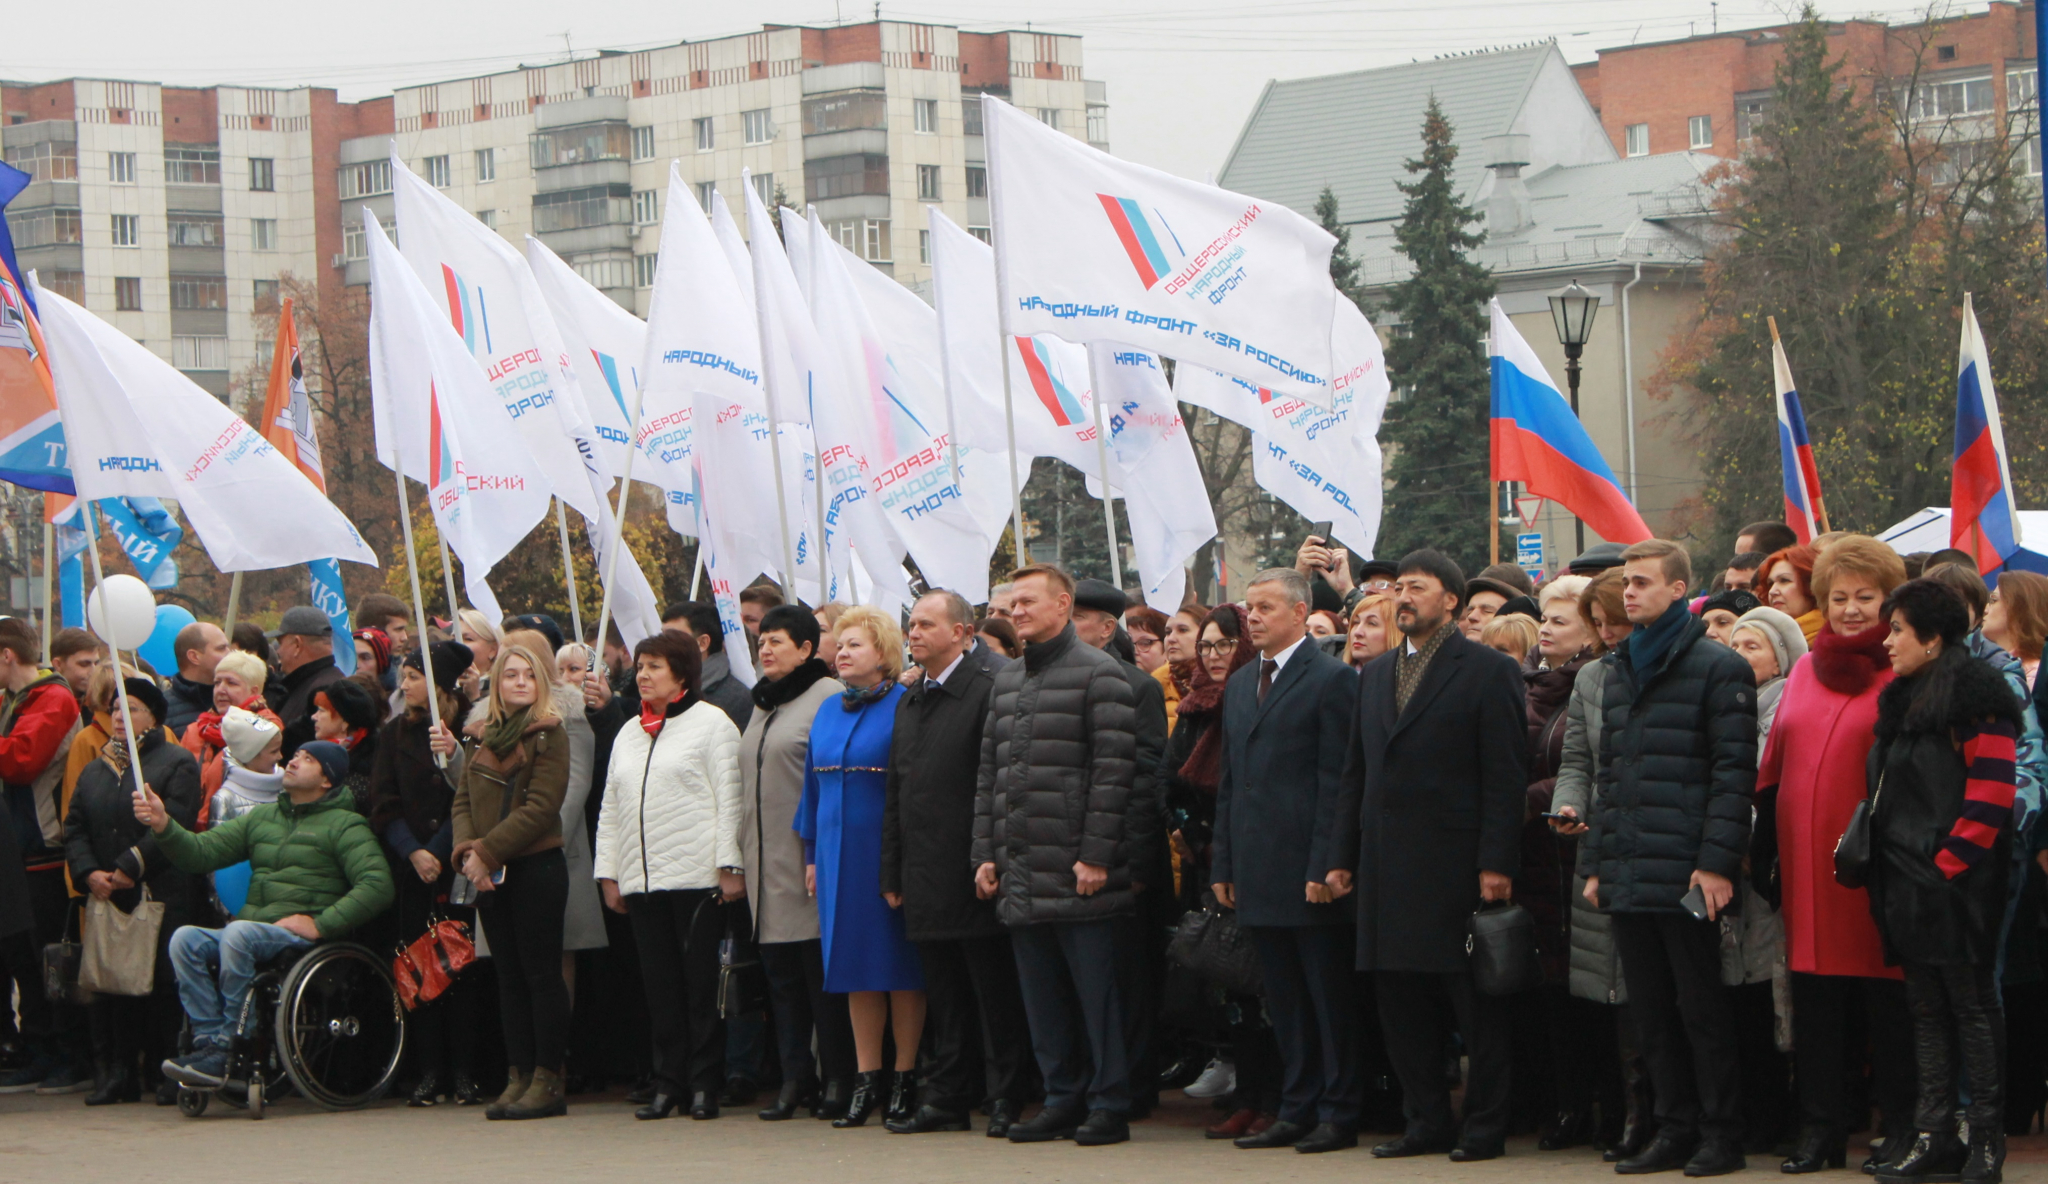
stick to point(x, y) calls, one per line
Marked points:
point(333, 759)
point(1780, 630)
point(247, 734)
point(451, 659)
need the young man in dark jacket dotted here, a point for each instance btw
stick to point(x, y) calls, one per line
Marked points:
point(927, 829)
point(200, 647)
point(1051, 848)
point(1677, 770)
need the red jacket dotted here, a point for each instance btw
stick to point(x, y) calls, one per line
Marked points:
point(34, 726)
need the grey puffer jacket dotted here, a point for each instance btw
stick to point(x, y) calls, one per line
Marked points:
point(1595, 966)
point(1058, 758)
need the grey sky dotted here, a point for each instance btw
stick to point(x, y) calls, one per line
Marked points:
point(1182, 74)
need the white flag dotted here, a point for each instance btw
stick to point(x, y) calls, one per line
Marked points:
point(1093, 248)
point(439, 423)
point(138, 428)
point(1153, 464)
point(725, 585)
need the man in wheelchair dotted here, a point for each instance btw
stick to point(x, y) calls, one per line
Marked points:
point(316, 871)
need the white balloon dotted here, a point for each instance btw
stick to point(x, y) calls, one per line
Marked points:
point(121, 612)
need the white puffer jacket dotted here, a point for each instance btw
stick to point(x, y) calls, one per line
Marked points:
point(671, 815)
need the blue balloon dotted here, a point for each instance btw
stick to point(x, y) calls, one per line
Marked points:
point(161, 650)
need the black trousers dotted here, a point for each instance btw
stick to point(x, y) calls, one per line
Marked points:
point(796, 990)
point(1308, 972)
point(523, 919)
point(1584, 1054)
point(1958, 1031)
point(1829, 1054)
point(1068, 976)
point(972, 1008)
point(62, 1026)
point(1143, 950)
point(1684, 1025)
point(1411, 1018)
point(679, 932)
point(440, 1036)
point(132, 1030)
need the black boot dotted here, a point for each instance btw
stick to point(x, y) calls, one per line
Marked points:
point(866, 1099)
point(1986, 1164)
point(427, 1092)
point(1641, 1124)
point(1934, 1157)
point(832, 1101)
point(1569, 1129)
point(902, 1096)
point(114, 1084)
point(1820, 1148)
point(466, 1091)
point(792, 1095)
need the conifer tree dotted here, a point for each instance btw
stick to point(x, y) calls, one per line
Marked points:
point(1343, 268)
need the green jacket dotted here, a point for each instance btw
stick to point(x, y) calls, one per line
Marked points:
point(321, 859)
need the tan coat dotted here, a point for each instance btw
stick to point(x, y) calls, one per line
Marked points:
point(773, 751)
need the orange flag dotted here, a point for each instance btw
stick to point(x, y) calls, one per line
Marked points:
point(287, 413)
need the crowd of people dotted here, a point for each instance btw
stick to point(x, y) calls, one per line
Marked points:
point(1764, 844)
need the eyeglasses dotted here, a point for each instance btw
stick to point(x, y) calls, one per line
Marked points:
point(1217, 649)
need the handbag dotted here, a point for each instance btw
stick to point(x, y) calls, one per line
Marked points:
point(741, 987)
point(120, 948)
point(428, 965)
point(1209, 942)
point(1852, 850)
point(60, 964)
point(1501, 942)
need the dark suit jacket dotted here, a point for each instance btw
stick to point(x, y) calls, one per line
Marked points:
point(928, 817)
point(1280, 787)
point(1145, 822)
point(1432, 797)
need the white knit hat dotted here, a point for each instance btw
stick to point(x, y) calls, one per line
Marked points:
point(247, 734)
point(1781, 631)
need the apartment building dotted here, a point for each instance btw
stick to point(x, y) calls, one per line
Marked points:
point(1959, 79)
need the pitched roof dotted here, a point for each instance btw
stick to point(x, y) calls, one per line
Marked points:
point(1353, 131)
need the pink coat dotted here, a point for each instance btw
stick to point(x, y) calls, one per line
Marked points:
point(1815, 756)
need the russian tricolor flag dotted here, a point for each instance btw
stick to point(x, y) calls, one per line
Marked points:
point(1539, 442)
point(1803, 512)
point(1982, 517)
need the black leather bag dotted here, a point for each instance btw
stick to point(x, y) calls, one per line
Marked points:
point(1209, 943)
point(1852, 850)
point(62, 960)
point(742, 983)
point(1501, 941)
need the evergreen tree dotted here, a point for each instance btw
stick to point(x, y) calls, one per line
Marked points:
point(1438, 491)
point(1343, 268)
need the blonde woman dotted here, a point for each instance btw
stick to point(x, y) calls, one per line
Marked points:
point(840, 821)
point(483, 637)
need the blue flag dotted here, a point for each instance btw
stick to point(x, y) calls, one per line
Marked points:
point(329, 598)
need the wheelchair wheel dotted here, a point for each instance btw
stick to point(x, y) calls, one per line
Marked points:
point(192, 1102)
point(340, 1028)
point(256, 1097)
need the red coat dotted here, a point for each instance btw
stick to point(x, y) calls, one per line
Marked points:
point(1815, 757)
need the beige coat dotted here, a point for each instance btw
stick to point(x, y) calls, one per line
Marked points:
point(772, 757)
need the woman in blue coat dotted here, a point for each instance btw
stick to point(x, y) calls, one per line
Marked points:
point(840, 821)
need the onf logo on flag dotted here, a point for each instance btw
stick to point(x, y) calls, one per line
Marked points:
point(1140, 241)
point(1057, 397)
point(466, 309)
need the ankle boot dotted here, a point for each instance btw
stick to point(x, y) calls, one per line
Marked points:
point(1820, 1148)
point(1568, 1129)
point(832, 1101)
point(902, 1096)
point(516, 1082)
point(1986, 1164)
point(793, 1094)
point(1641, 1124)
point(545, 1098)
point(113, 1084)
point(867, 1095)
point(1932, 1156)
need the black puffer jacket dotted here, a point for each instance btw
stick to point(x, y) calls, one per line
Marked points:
point(1058, 756)
point(1677, 773)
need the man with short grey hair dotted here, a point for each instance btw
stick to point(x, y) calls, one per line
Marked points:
point(305, 652)
point(1280, 785)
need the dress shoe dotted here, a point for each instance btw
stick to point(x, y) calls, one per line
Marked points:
point(1327, 1136)
point(1409, 1146)
point(926, 1118)
point(426, 1093)
point(1986, 1162)
point(902, 1097)
point(1265, 1119)
point(643, 1091)
point(789, 1098)
point(1280, 1134)
point(1667, 1152)
point(866, 1099)
point(1820, 1148)
point(1717, 1157)
point(1931, 1157)
point(1047, 1126)
point(659, 1106)
point(738, 1091)
point(115, 1086)
point(1569, 1129)
point(704, 1104)
point(1477, 1151)
point(833, 1098)
point(1103, 1128)
point(1237, 1125)
point(1002, 1115)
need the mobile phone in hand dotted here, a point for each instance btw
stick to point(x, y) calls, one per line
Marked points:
point(1321, 533)
point(1695, 903)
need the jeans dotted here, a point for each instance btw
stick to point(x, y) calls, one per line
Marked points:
point(523, 919)
point(214, 968)
point(1067, 976)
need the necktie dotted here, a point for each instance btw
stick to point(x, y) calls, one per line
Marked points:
point(1266, 668)
point(931, 686)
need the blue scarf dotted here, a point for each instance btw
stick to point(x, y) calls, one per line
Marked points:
point(1647, 646)
point(855, 698)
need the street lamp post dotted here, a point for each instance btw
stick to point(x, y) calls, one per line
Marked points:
point(1572, 309)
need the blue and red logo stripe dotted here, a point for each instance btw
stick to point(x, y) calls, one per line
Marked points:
point(468, 319)
point(1135, 232)
point(440, 456)
point(1058, 399)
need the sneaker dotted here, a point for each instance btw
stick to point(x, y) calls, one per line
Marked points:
point(1218, 1079)
point(67, 1078)
point(202, 1068)
point(25, 1079)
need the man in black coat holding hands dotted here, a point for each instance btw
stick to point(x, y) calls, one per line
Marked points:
point(970, 977)
point(1286, 723)
point(1433, 822)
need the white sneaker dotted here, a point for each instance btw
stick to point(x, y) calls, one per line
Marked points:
point(1217, 1079)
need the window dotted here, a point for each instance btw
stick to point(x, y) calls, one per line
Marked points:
point(970, 115)
point(354, 243)
point(924, 246)
point(68, 284)
point(128, 293)
point(705, 189)
point(488, 218)
point(1750, 113)
point(2022, 89)
point(263, 295)
point(643, 143)
point(1700, 129)
point(977, 180)
point(845, 176)
point(1049, 116)
point(573, 209)
point(580, 145)
point(199, 353)
point(1952, 97)
point(486, 165)
point(121, 168)
point(865, 237)
point(925, 116)
point(1636, 139)
point(1098, 125)
point(188, 164)
point(982, 233)
point(366, 180)
point(927, 182)
point(263, 234)
point(435, 169)
point(196, 230)
point(643, 270)
point(42, 228)
point(1944, 53)
point(645, 208)
point(757, 125)
point(707, 135)
point(47, 161)
point(206, 292)
point(845, 111)
point(262, 174)
point(764, 188)
point(127, 230)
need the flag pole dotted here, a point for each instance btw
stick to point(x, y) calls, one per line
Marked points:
point(49, 585)
point(419, 606)
point(1116, 563)
point(946, 369)
point(1003, 354)
point(234, 604)
point(1493, 521)
point(774, 420)
point(611, 559)
point(99, 581)
point(569, 571)
point(697, 569)
point(1819, 509)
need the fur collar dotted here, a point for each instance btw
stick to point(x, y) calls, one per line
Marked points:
point(1846, 665)
point(1976, 693)
point(770, 694)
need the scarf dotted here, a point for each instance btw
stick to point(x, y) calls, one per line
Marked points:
point(503, 736)
point(652, 718)
point(1183, 674)
point(1847, 665)
point(855, 698)
point(1647, 646)
point(115, 752)
point(1811, 622)
point(770, 694)
point(1202, 703)
point(1409, 668)
point(209, 723)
